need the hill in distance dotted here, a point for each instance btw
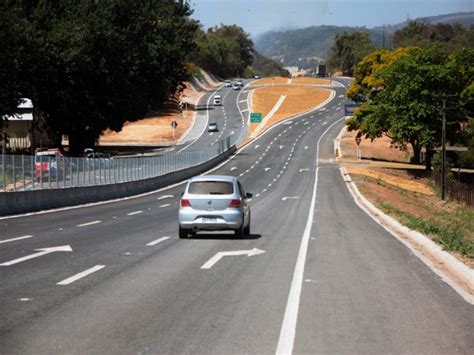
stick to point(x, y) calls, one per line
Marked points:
point(307, 47)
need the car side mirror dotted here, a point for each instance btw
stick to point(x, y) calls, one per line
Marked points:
point(248, 195)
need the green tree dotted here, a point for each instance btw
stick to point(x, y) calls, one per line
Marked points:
point(225, 51)
point(12, 51)
point(407, 108)
point(96, 64)
point(348, 50)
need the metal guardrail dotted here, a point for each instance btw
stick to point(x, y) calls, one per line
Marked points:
point(26, 172)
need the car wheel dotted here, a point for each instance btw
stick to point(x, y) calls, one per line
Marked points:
point(247, 229)
point(240, 233)
point(183, 233)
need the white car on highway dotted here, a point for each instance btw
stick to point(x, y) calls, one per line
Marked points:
point(217, 100)
point(214, 203)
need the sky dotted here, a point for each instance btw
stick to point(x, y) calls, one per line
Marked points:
point(259, 16)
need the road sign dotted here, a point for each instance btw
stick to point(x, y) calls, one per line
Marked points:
point(358, 140)
point(174, 124)
point(255, 117)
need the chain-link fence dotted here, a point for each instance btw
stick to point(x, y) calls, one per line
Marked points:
point(22, 172)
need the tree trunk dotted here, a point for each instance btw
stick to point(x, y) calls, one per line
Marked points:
point(429, 159)
point(78, 140)
point(416, 151)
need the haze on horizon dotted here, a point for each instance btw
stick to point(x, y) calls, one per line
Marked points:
point(259, 16)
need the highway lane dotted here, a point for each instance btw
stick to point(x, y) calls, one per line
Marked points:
point(230, 117)
point(157, 299)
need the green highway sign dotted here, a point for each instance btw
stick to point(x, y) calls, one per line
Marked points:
point(255, 117)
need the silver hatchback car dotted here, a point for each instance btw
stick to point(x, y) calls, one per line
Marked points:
point(214, 202)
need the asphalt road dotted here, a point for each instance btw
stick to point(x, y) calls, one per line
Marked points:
point(330, 280)
point(231, 117)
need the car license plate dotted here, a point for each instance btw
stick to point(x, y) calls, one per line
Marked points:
point(209, 220)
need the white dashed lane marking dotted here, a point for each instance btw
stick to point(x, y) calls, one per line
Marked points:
point(15, 239)
point(134, 213)
point(157, 241)
point(80, 275)
point(89, 223)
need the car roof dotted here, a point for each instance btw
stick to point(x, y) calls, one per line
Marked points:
point(226, 178)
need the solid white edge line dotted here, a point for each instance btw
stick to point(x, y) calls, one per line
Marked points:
point(15, 239)
point(268, 130)
point(80, 275)
point(157, 241)
point(288, 327)
point(463, 271)
point(88, 224)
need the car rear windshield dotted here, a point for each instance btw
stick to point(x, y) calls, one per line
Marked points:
point(211, 188)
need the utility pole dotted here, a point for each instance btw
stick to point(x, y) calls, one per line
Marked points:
point(444, 98)
point(443, 151)
point(383, 36)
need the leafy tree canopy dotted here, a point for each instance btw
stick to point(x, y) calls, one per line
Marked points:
point(93, 65)
point(348, 50)
point(225, 50)
point(407, 105)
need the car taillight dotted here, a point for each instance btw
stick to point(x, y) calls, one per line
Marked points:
point(234, 203)
point(185, 203)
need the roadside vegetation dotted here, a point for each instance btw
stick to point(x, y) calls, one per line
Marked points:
point(402, 92)
point(450, 224)
point(93, 65)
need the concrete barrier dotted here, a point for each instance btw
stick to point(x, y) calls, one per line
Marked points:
point(29, 201)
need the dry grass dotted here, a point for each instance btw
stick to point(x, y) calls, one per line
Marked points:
point(311, 81)
point(298, 99)
point(448, 223)
point(148, 130)
point(380, 148)
point(402, 181)
point(270, 81)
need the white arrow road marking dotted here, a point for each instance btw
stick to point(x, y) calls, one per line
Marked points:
point(243, 101)
point(289, 122)
point(14, 239)
point(301, 170)
point(41, 252)
point(165, 205)
point(164, 196)
point(88, 224)
point(325, 123)
point(281, 147)
point(210, 263)
point(306, 123)
point(340, 96)
point(153, 243)
point(266, 169)
point(134, 213)
point(233, 168)
point(256, 147)
point(80, 275)
point(290, 198)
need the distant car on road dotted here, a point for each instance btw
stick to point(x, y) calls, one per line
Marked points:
point(100, 160)
point(214, 203)
point(236, 86)
point(217, 100)
point(228, 84)
point(212, 127)
point(257, 77)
